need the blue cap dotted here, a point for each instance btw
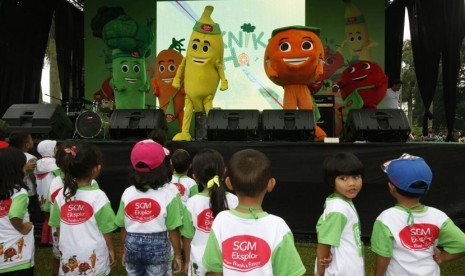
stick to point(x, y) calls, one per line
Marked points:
point(406, 170)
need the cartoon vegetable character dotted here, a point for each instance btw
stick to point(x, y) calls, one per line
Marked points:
point(73, 263)
point(363, 84)
point(294, 59)
point(1, 248)
point(356, 33)
point(170, 99)
point(20, 244)
point(130, 42)
point(9, 254)
point(247, 28)
point(83, 267)
point(93, 260)
point(202, 68)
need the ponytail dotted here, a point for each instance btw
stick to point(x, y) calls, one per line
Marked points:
point(217, 194)
point(70, 187)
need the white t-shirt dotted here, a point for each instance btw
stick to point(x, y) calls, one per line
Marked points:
point(239, 243)
point(339, 226)
point(187, 186)
point(391, 100)
point(411, 248)
point(152, 211)
point(201, 217)
point(83, 221)
point(30, 184)
point(17, 249)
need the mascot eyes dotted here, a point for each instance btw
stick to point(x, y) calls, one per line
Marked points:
point(195, 46)
point(161, 68)
point(285, 47)
point(136, 68)
point(351, 70)
point(329, 61)
point(366, 66)
point(205, 48)
point(124, 68)
point(307, 46)
point(172, 67)
point(359, 38)
point(352, 38)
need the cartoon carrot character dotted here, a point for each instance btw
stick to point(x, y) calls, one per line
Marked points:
point(93, 259)
point(20, 244)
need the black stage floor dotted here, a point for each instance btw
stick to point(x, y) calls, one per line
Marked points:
point(300, 194)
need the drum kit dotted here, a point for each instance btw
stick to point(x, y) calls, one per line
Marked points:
point(91, 123)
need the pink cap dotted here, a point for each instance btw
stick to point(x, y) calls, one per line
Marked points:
point(147, 155)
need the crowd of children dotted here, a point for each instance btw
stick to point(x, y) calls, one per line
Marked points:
point(167, 226)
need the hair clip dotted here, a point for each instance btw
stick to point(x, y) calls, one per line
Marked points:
point(71, 150)
point(213, 181)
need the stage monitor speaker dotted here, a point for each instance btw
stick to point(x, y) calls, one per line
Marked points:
point(326, 121)
point(377, 125)
point(42, 121)
point(288, 125)
point(233, 125)
point(200, 126)
point(136, 123)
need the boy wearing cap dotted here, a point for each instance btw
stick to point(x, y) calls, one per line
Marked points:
point(404, 236)
point(149, 214)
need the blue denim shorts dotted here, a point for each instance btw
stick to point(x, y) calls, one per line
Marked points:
point(147, 248)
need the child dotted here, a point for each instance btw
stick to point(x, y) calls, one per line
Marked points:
point(247, 239)
point(83, 214)
point(208, 167)
point(55, 187)
point(17, 237)
point(23, 141)
point(338, 228)
point(181, 162)
point(404, 236)
point(148, 210)
point(45, 171)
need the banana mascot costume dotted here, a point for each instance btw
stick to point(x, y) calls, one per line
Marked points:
point(356, 32)
point(202, 69)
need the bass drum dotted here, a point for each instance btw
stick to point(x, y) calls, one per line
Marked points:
point(90, 124)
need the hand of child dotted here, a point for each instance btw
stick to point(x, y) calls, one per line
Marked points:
point(177, 264)
point(326, 261)
point(112, 258)
point(437, 256)
point(27, 227)
point(30, 166)
point(123, 259)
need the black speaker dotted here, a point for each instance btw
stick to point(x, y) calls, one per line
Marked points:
point(377, 125)
point(326, 121)
point(233, 125)
point(200, 126)
point(288, 125)
point(136, 123)
point(42, 121)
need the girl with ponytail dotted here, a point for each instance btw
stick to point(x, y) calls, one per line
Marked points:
point(201, 209)
point(83, 214)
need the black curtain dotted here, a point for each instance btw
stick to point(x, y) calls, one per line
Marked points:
point(394, 36)
point(24, 28)
point(69, 34)
point(437, 27)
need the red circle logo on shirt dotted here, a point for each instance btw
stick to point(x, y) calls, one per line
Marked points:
point(181, 188)
point(419, 236)
point(76, 212)
point(142, 210)
point(245, 253)
point(54, 195)
point(5, 205)
point(205, 220)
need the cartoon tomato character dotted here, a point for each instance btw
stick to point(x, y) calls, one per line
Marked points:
point(334, 60)
point(166, 66)
point(83, 268)
point(9, 254)
point(363, 84)
point(294, 59)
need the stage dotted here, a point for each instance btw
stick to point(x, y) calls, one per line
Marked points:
point(300, 194)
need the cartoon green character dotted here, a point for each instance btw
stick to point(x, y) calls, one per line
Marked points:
point(130, 42)
point(129, 80)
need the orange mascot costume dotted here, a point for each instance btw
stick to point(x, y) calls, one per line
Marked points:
point(294, 60)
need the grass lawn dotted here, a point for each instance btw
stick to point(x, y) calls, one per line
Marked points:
point(306, 250)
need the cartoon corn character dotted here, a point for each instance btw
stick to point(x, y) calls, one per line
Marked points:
point(202, 68)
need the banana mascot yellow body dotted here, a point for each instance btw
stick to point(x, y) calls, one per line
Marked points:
point(202, 70)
